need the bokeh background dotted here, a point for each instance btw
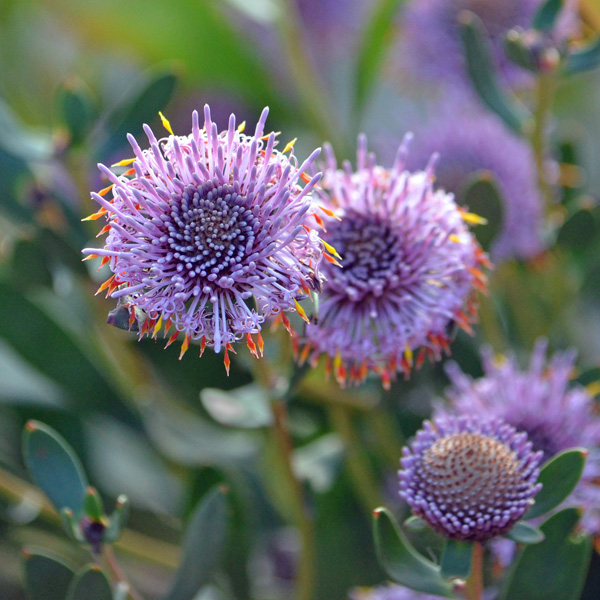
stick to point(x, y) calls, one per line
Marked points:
point(75, 77)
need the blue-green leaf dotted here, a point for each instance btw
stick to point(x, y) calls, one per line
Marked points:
point(77, 109)
point(559, 476)
point(585, 58)
point(546, 15)
point(401, 562)
point(90, 583)
point(415, 524)
point(524, 533)
point(92, 504)
point(554, 568)
point(518, 52)
point(456, 559)
point(482, 72)
point(54, 467)
point(202, 545)
point(47, 577)
point(117, 520)
point(246, 407)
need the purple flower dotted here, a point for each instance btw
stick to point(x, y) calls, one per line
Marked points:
point(432, 46)
point(210, 233)
point(469, 479)
point(470, 140)
point(389, 592)
point(409, 268)
point(541, 402)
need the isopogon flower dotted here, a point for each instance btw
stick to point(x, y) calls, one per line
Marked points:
point(470, 140)
point(541, 402)
point(469, 479)
point(210, 233)
point(432, 45)
point(410, 266)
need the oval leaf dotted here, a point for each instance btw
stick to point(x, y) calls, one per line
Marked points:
point(90, 584)
point(402, 562)
point(47, 577)
point(246, 407)
point(584, 59)
point(524, 533)
point(202, 545)
point(456, 559)
point(77, 109)
point(554, 568)
point(546, 15)
point(54, 467)
point(559, 476)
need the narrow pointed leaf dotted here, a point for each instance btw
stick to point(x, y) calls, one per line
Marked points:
point(90, 584)
point(456, 559)
point(555, 568)
point(202, 545)
point(546, 15)
point(559, 476)
point(524, 533)
point(47, 577)
point(518, 52)
point(77, 109)
point(54, 467)
point(584, 59)
point(482, 72)
point(401, 562)
point(118, 519)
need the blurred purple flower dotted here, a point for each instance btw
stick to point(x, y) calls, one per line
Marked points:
point(389, 592)
point(540, 402)
point(410, 265)
point(203, 224)
point(469, 478)
point(470, 140)
point(432, 47)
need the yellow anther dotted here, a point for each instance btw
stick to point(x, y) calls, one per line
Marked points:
point(124, 163)
point(165, 123)
point(474, 219)
point(158, 325)
point(300, 311)
point(289, 145)
point(241, 127)
point(331, 249)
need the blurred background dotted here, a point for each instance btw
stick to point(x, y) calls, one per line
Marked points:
point(75, 77)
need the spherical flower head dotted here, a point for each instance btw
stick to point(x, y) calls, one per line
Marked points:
point(469, 479)
point(409, 269)
point(542, 402)
point(432, 46)
point(470, 141)
point(210, 233)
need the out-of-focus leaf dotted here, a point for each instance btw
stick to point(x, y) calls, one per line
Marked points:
point(456, 559)
point(246, 407)
point(47, 577)
point(118, 519)
point(401, 562)
point(415, 524)
point(377, 38)
point(559, 476)
point(319, 461)
point(14, 170)
point(54, 467)
point(483, 198)
point(92, 504)
point(483, 74)
point(524, 533)
point(202, 545)
point(261, 11)
point(142, 107)
point(77, 109)
point(585, 58)
point(518, 52)
point(90, 584)
point(554, 568)
point(578, 231)
point(546, 15)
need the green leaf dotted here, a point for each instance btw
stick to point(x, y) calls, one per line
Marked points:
point(246, 407)
point(482, 72)
point(92, 504)
point(584, 59)
point(142, 107)
point(54, 467)
point(202, 545)
point(555, 568)
point(578, 231)
point(456, 559)
point(77, 109)
point(546, 15)
point(524, 533)
point(47, 576)
point(415, 524)
point(118, 519)
point(90, 583)
point(482, 196)
point(559, 476)
point(378, 37)
point(518, 52)
point(402, 562)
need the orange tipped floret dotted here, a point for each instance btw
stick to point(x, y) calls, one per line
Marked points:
point(300, 311)
point(184, 346)
point(251, 345)
point(226, 360)
point(202, 345)
point(105, 190)
point(96, 215)
point(105, 285)
point(172, 339)
point(261, 343)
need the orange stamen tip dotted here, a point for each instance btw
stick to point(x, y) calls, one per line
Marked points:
point(104, 285)
point(89, 257)
point(105, 190)
point(306, 177)
point(184, 346)
point(300, 311)
point(172, 339)
point(227, 361)
point(104, 230)
point(329, 212)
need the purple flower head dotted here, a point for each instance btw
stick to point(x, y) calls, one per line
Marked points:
point(468, 478)
point(470, 140)
point(389, 592)
point(433, 47)
point(409, 267)
point(541, 402)
point(210, 233)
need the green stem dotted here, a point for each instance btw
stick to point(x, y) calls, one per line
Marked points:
point(545, 97)
point(307, 565)
point(117, 573)
point(365, 485)
point(474, 586)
